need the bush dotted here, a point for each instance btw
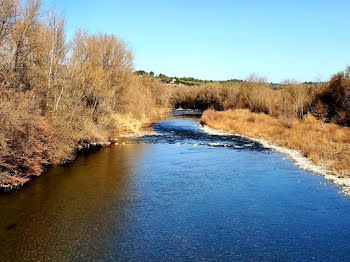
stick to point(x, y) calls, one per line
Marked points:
point(309, 118)
point(285, 121)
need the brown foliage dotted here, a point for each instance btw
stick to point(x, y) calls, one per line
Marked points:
point(24, 134)
point(329, 101)
point(56, 95)
point(289, 99)
point(334, 101)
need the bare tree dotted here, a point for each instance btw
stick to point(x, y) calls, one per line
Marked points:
point(23, 32)
point(7, 17)
point(56, 54)
point(347, 72)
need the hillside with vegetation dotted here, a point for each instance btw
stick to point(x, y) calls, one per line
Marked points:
point(184, 81)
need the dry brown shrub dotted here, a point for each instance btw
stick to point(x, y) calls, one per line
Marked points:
point(251, 119)
point(286, 121)
point(208, 115)
point(309, 118)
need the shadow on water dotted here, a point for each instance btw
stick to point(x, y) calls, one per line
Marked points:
point(171, 197)
point(61, 210)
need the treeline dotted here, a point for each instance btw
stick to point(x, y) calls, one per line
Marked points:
point(56, 94)
point(188, 81)
point(328, 101)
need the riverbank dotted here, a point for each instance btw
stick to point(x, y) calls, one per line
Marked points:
point(126, 126)
point(318, 147)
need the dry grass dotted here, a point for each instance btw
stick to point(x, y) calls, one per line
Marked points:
point(127, 124)
point(325, 144)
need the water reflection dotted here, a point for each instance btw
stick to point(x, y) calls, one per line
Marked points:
point(70, 209)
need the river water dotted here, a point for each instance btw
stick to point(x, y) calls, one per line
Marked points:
point(181, 195)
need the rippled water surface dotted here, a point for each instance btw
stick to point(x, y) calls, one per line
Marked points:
point(181, 195)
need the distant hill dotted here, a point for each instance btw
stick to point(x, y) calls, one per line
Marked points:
point(190, 81)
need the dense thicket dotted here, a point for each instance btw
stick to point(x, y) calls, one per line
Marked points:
point(329, 101)
point(55, 94)
point(333, 102)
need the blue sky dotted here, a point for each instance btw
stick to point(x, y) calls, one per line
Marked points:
point(223, 39)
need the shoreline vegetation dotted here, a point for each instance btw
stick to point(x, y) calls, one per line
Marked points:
point(58, 96)
point(327, 146)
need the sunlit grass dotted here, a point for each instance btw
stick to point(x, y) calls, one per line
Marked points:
point(325, 144)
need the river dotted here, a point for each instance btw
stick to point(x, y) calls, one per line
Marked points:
point(181, 195)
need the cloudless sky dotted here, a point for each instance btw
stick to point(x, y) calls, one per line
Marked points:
point(223, 39)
